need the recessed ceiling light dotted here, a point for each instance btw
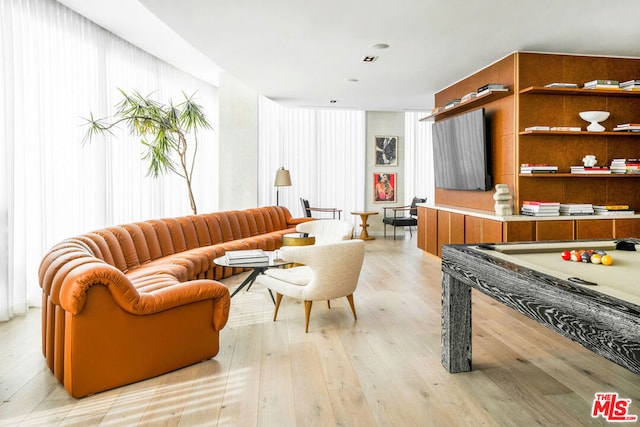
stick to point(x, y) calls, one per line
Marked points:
point(353, 80)
point(369, 58)
point(380, 46)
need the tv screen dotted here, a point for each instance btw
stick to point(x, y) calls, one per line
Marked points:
point(460, 152)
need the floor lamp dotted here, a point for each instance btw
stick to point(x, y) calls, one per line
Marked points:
point(283, 179)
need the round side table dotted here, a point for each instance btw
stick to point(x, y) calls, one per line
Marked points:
point(298, 239)
point(364, 216)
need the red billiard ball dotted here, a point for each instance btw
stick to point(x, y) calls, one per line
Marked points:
point(566, 255)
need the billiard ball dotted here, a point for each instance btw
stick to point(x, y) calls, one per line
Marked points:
point(566, 255)
point(575, 255)
point(585, 256)
point(606, 260)
point(595, 259)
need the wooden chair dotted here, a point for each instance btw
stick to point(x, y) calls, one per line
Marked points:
point(306, 209)
point(399, 217)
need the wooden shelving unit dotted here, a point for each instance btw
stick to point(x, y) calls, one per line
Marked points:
point(476, 102)
point(579, 175)
point(581, 133)
point(542, 90)
point(533, 104)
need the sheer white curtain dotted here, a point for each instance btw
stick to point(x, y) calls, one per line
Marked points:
point(56, 66)
point(324, 150)
point(418, 169)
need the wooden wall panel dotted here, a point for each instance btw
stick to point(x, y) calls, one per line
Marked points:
point(422, 228)
point(456, 228)
point(519, 231)
point(623, 228)
point(500, 125)
point(431, 234)
point(472, 229)
point(491, 231)
point(594, 229)
point(554, 230)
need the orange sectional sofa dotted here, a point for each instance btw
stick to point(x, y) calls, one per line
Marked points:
point(134, 301)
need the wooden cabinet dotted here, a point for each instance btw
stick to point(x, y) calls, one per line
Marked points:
point(443, 227)
point(594, 229)
point(555, 230)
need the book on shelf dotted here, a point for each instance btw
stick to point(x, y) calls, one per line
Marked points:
point(540, 203)
point(452, 103)
point(602, 84)
point(565, 129)
point(491, 87)
point(541, 168)
point(576, 209)
point(619, 212)
point(601, 170)
point(627, 127)
point(563, 85)
point(538, 171)
point(630, 84)
point(528, 213)
point(245, 256)
point(535, 128)
point(468, 97)
point(611, 207)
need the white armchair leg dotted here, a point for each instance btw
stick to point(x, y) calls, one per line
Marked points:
point(278, 299)
point(307, 312)
point(353, 307)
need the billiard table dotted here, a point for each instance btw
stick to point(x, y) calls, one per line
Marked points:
point(602, 315)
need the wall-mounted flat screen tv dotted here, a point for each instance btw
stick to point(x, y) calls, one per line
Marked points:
point(460, 152)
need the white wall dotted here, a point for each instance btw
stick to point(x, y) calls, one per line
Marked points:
point(383, 123)
point(238, 142)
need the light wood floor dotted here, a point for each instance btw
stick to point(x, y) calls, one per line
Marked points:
point(381, 370)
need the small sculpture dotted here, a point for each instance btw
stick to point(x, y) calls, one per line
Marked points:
point(589, 161)
point(502, 197)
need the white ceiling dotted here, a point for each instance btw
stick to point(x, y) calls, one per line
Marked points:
point(302, 53)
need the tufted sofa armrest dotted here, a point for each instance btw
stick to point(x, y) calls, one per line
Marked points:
point(173, 294)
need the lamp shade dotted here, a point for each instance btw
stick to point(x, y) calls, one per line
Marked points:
point(283, 178)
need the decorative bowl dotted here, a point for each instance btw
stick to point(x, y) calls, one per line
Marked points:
point(594, 117)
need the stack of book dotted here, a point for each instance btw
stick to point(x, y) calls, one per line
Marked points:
point(452, 103)
point(600, 170)
point(491, 87)
point(632, 165)
point(630, 85)
point(618, 166)
point(612, 210)
point(536, 208)
point(563, 85)
point(246, 256)
point(602, 84)
point(538, 168)
point(627, 127)
point(576, 209)
point(468, 97)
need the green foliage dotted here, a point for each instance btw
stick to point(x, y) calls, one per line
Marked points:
point(163, 131)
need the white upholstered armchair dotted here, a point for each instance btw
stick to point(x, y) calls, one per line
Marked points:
point(327, 230)
point(330, 271)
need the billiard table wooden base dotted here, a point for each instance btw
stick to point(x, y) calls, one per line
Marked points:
point(603, 324)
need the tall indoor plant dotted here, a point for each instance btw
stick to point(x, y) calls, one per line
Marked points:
point(163, 129)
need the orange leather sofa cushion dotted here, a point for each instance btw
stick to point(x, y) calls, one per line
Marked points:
point(134, 301)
